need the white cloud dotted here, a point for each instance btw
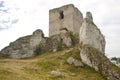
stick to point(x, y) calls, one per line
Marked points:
point(33, 14)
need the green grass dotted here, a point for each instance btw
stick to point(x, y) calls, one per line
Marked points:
point(115, 68)
point(39, 68)
point(4, 72)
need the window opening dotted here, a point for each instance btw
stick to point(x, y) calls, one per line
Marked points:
point(61, 15)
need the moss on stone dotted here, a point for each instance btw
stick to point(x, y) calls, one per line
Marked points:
point(73, 37)
point(75, 52)
point(100, 62)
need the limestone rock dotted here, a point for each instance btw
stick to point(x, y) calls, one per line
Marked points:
point(92, 48)
point(70, 60)
point(97, 60)
point(75, 62)
point(66, 40)
point(29, 46)
point(24, 47)
point(89, 16)
point(54, 43)
point(78, 63)
point(91, 35)
point(37, 38)
point(57, 74)
point(58, 42)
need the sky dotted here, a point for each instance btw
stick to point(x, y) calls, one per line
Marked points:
point(21, 17)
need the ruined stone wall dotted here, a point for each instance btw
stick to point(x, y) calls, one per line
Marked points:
point(77, 20)
point(67, 17)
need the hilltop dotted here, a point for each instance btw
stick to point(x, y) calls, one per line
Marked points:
point(74, 50)
point(39, 68)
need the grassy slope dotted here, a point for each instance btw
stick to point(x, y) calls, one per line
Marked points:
point(39, 68)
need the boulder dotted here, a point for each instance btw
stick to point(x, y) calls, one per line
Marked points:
point(57, 74)
point(75, 62)
point(70, 60)
point(78, 63)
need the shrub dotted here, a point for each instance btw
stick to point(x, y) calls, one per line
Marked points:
point(38, 49)
point(59, 47)
point(73, 37)
point(114, 58)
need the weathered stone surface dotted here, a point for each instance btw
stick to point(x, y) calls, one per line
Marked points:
point(64, 18)
point(24, 47)
point(78, 63)
point(66, 40)
point(37, 38)
point(89, 16)
point(92, 48)
point(57, 74)
point(90, 34)
point(70, 60)
point(75, 62)
point(29, 46)
point(59, 41)
point(97, 60)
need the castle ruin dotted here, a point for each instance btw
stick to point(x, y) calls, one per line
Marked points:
point(65, 18)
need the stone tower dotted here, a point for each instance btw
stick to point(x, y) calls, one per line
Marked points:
point(65, 18)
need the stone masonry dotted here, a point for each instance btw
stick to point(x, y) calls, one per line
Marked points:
point(65, 18)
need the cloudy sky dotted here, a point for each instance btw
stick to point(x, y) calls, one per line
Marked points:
point(22, 17)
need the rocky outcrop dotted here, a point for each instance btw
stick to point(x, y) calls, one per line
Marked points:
point(90, 34)
point(89, 16)
point(32, 45)
point(75, 62)
point(97, 60)
point(24, 47)
point(65, 22)
point(92, 48)
point(58, 42)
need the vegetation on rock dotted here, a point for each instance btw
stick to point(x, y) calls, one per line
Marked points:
point(97, 60)
point(39, 68)
point(73, 37)
point(38, 49)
